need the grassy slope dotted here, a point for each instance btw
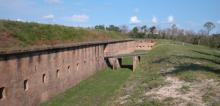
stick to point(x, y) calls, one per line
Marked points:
point(17, 34)
point(190, 63)
point(93, 91)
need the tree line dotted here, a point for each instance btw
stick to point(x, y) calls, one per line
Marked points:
point(202, 37)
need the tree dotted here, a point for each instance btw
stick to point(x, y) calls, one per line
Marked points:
point(209, 26)
point(174, 29)
point(113, 28)
point(135, 30)
point(136, 33)
point(100, 27)
point(152, 29)
point(144, 29)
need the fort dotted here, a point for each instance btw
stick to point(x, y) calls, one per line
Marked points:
point(31, 76)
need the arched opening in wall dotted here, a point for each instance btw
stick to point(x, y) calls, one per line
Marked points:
point(68, 68)
point(35, 68)
point(58, 73)
point(2, 93)
point(77, 66)
point(44, 78)
point(25, 85)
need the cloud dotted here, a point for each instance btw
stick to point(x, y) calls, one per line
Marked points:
point(154, 20)
point(53, 1)
point(20, 20)
point(49, 17)
point(79, 18)
point(170, 19)
point(218, 22)
point(134, 20)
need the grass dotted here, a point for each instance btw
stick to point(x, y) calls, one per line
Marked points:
point(96, 90)
point(28, 34)
point(190, 63)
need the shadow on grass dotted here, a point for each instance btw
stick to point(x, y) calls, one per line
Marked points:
point(193, 67)
point(180, 65)
point(205, 53)
point(216, 61)
point(168, 59)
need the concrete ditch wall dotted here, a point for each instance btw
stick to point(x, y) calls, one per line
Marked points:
point(31, 76)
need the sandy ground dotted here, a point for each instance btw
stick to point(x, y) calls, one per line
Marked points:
point(174, 89)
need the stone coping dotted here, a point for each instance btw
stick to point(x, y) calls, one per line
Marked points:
point(128, 55)
point(57, 47)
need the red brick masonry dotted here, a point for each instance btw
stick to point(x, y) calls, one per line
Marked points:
point(33, 75)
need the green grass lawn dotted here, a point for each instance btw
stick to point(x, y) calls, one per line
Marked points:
point(96, 90)
point(190, 63)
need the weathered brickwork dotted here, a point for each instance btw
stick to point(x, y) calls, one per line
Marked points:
point(29, 77)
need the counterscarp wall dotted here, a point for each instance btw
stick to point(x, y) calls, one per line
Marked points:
point(31, 76)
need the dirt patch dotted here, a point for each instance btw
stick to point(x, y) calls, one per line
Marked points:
point(183, 93)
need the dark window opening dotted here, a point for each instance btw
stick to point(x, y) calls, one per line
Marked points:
point(58, 73)
point(43, 78)
point(77, 66)
point(2, 93)
point(68, 68)
point(25, 85)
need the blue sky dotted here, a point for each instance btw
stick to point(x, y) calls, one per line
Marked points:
point(187, 14)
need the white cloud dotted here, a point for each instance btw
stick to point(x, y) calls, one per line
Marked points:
point(49, 17)
point(154, 20)
point(134, 20)
point(53, 1)
point(79, 18)
point(170, 19)
point(21, 20)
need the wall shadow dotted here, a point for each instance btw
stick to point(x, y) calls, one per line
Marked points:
point(108, 63)
point(127, 66)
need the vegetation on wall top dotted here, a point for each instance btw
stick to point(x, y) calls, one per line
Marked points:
point(17, 34)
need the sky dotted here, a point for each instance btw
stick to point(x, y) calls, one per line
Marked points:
point(186, 14)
